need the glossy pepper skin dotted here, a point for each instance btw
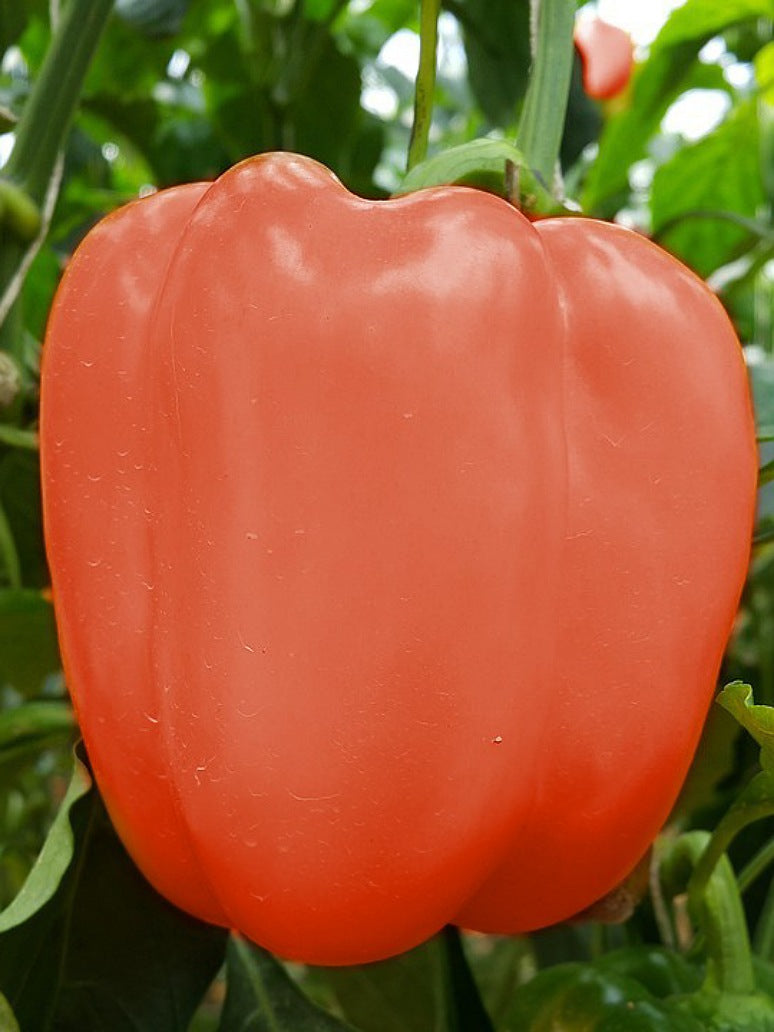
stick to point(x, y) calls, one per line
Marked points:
point(394, 549)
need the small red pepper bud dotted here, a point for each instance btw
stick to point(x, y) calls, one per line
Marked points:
point(607, 54)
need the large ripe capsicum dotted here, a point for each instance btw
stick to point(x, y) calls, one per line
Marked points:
point(394, 547)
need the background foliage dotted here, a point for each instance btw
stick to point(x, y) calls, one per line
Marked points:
point(178, 91)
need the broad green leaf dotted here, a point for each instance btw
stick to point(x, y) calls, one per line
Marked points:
point(479, 163)
point(764, 72)
point(153, 17)
point(583, 122)
point(367, 31)
point(713, 762)
point(127, 62)
point(696, 19)
point(482, 163)
point(762, 380)
point(321, 10)
point(737, 698)
point(20, 500)
point(325, 102)
point(496, 34)
point(28, 643)
point(46, 876)
point(394, 14)
point(573, 996)
point(429, 989)
point(718, 174)
point(13, 19)
point(661, 971)
point(671, 68)
point(88, 944)
point(31, 726)
point(500, 964)
point(730, 1012)
point(391, 994)
point(16, 437)
point(461, 1002)
point(261, 996)
point(8, 1022)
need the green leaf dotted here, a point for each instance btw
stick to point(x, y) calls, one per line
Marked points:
point(429, 989)
point(737, 698)
point(764, 72)
point(8, 1022)
point(659, 970)
point(575, 997)
point(30, 727)
point(497, 45)
point(20, 499)
point(482, 164)
point(127, 62)
point(50, 867)
point(399, 993)
point(584, 121)
point(671, 67)
point(261, 996)
point(713, 762)
point(14, 15)
point(462, 1004)
point(325, 106)
point(88, 944)
point(368, 30)
point(731, 1012)
point(16, 437)
point(29, 651)
point(320, 10)
point(697, 19)
point(500, 964)
point(720, 173)
point(153, 17)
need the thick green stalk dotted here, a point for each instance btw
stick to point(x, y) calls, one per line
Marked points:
point(545, 105)
point(43, 126)
point(755, 803)
point(755, 867)
point(715, 905)
point(49, 111)
point(424, 90)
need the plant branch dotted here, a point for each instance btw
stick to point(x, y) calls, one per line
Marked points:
point(715, 906)
point(49, 111)
point(44, 123)
point(424, 90)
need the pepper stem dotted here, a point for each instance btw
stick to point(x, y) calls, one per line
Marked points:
point(424, 90)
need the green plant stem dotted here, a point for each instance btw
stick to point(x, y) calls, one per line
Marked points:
point(715, 905)
point(763, 940)
point(545, 105)
point(424, 91)
point(8, 552)
point(49, 111)
point(755, 802)
point(45, 121)
point(755, 868)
